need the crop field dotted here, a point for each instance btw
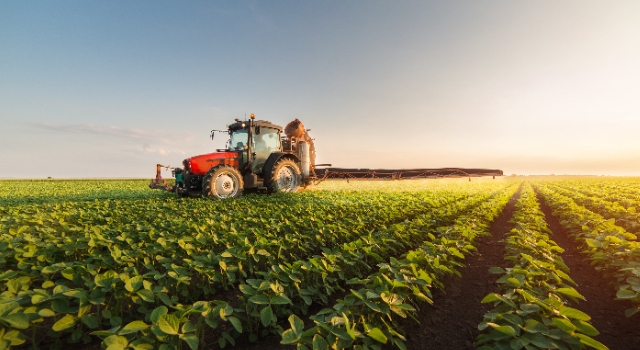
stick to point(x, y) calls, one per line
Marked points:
point(512, 263)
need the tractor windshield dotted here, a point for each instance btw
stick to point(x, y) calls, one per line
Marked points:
point(265, 142)
point(239, 139)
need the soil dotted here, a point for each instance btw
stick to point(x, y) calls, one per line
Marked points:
point(607, 315)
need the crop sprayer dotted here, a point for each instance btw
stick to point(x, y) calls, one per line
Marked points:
point(259, 157)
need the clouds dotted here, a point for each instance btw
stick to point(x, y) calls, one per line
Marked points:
point(146, 141)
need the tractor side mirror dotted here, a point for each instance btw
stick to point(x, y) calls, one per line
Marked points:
point(257, 130)
point(212, 134)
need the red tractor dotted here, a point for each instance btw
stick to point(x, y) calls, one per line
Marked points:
point(257, 157)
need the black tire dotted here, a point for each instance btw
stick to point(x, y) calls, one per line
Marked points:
point(285, 176)
point(222, 182)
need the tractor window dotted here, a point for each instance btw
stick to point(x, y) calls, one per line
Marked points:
point(268, 141)
point(265, 143)
point(239, 139)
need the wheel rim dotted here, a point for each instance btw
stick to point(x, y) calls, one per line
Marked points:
point(225, 185)
point(286, 179)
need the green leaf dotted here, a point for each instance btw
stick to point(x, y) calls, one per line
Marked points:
point(66, 322)
point(513, 281)
point(280, 300)
point(564, 324)
point(165, 299)
point(377, 335)
point(496, 270)
point(626, 294)
point(539, 340)
point(133, 327)
point(319, 343)
point(259, 299)
point(526, 309)
point(246, 289)
point(296, 324)
point(236, 323)
point(585, 327)
point(573, 313)
point(191, 339)
point(115, 342)
point(140, 345)
point(570, 292)
point(115, 321)
point(133, 284)
point(106, 313)
point(266, 315)
point(513, 319)
point(17, 320)
point(91, 321)
point(169, 324)
point(157, 312)
point(400, 344)
point(46, 313)
point(189, 327)
point(146, 295)
point(490, 298)
point(588, 341)
point(508, 330)
point(631, 311)
point(518, 343)
point(289, 337)
point(15, 337)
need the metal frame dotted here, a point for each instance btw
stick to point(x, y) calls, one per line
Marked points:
point(401, 174)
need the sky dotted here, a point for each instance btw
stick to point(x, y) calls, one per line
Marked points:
point(109, 89)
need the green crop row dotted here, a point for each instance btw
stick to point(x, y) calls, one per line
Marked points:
point(625, 217)
point(132, 271)
point(611, 249)
point(289, 288)
point(611, 195)
point(17, 192)
point(367, 317)
point(530, 310)
point(625, 192)
point(612, 189)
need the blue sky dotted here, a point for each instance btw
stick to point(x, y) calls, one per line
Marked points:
point(109, 89)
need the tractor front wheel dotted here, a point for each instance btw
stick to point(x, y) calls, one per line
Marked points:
point(285, 176)
point(222, 182)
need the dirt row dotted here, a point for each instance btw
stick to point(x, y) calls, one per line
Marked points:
point(451, 322)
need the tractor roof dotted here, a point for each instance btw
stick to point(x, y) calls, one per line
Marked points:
point(260, 123)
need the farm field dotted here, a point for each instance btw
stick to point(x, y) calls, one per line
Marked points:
point(507, 264)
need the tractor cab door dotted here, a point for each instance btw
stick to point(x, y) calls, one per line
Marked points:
point(239, 142)
point(264, 142)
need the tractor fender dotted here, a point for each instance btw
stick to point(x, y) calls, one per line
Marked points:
point(274, 157)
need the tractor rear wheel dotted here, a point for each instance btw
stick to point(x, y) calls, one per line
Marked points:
point(222, 182)
point(285, 176)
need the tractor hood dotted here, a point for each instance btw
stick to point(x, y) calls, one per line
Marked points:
point(199, 165)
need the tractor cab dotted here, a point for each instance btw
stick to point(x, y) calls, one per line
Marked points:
point(255, 141)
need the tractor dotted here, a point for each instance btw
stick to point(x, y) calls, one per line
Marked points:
point(257, 157)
